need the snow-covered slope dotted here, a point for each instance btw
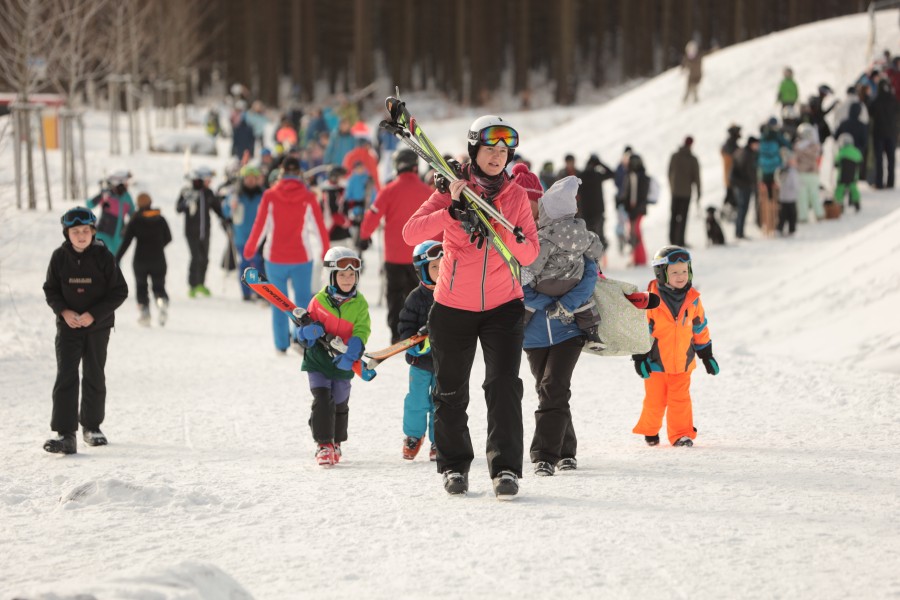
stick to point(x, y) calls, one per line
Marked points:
point(208, 488)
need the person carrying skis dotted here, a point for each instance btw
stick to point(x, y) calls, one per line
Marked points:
point(477, 298)
point(241, 208)
point(152, 233)
point(196, 202)
point(84, 287)
point(679, 330)
point(339, 310)
point(281, 221)
point(396, 203)
point(418, 406)
point(116, 207)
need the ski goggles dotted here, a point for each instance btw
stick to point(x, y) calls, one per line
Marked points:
point(494, 134)
point(78, 216)
point(346, 263)
point(432, 253)
point(678, 256)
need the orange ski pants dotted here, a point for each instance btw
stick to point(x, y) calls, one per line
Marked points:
point(665, 393)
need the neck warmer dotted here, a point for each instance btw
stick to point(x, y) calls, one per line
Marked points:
point(490, 185)
point(674, 298)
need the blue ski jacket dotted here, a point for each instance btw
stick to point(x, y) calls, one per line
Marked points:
point(541, 332)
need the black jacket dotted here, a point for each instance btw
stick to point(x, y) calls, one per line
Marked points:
point(635, 203)
point(87, 282)
point(413, 316)
point(883, 112)
point(590, 193)
point(743, 171)
point(196, 204)
point(152, 233)
point(854, 127)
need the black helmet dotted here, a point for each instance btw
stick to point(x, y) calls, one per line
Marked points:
point(670, 255)
point(405, 160)
point(77, 216)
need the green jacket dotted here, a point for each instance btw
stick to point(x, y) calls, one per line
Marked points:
point(350, 319)
point(847, 161)
point(787, 91)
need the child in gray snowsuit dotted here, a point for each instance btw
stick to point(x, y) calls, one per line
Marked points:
point(789, 191)
point(565, 241)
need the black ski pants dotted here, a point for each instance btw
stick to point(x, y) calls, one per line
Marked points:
point(678, 222)
point(552, 367)
point(156, 273)
point(787, 215)
point(401, 280)
point(454, 336)
point(199, 261)
point(88, 349)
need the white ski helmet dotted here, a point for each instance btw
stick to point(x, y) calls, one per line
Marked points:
point(492, 130)
point(340, 258)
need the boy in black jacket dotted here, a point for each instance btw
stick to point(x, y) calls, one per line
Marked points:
point(152, 233)
point(84, 287)
point(195, 202)
point(418, 406)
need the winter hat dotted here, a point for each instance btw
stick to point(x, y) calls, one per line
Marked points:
point(688, 142)
point(752, 140)
point(290, 165)
point(143, 200)
point(528, 180)
point(844, 140)
point(559, 201)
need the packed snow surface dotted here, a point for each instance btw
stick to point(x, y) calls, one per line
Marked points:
point(208, 488)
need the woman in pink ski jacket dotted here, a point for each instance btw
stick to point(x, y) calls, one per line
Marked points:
point(477, 298)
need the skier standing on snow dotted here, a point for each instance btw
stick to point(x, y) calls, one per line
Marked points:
point(84, 287)
point(787, 89)
point(478, 299)
point(678, 327)
point(590, 195)
point(281, 221)
point(418, 406)
point(241, 208)
point(341, 311)
point(807, 151)
point(116, 206)
point(633, 199)
point(744, 180)
point(883, 110)
point(196, 202)
point(396, 203)
point(152, 233)
point(693, 64)
point(684, 177)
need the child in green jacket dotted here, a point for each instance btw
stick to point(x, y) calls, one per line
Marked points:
point(847, 162)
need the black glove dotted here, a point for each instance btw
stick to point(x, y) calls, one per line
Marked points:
point(705, 354)
point(641, 365)
point(442, 183)
point(363, 245)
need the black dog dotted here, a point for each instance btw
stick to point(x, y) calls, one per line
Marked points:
point(714, 235)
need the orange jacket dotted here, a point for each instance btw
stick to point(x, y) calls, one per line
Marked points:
point(675, 340)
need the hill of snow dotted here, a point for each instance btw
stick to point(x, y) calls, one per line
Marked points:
point(208, 488)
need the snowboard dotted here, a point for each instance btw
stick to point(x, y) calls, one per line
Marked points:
point(623, 326)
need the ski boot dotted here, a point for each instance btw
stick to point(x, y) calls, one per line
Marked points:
point(144, 318)
point(203, 290)
point(456, 483)
point(337, 453)
point(567, 464)
point(94, 437)
point(684, 441)
point(163, 305)
point(411, 447)
point(63, 443)
point(652, 440)
point(543, 469)
point(506, 485)
point(432, 454)
point(325, 455)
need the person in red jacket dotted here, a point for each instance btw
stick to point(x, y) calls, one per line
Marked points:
point(478, 299)
point(281, 221)
point(396, 203)
point(364, 155)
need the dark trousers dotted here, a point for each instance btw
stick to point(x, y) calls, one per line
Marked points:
point(884, 147)
point(89, 351)
point(787, 214)
point(156, 273)
point(401, 280)
point(552, 367)
point(594, 222)
point(744, 195)
point(199, 261)
point(678, 222)
point(454, 335)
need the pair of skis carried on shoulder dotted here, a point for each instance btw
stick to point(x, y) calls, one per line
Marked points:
point(333, 344)
point(405, 127)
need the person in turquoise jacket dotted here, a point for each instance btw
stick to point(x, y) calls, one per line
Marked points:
point(241, 209)
point(116, 208)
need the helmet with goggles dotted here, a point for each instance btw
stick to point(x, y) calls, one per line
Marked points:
point(423, 254)
point(340, 258)
point(75, 217)
point(670, 255)
point(491, 130)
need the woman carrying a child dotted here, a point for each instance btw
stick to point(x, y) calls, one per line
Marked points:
point(554, 336)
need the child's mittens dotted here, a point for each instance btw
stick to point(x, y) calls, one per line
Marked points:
point(643, 300)
point(308, 334)
point(420, 349)
point(355, 348)
point(641, 365)
point(558, 311)
point(705, 354)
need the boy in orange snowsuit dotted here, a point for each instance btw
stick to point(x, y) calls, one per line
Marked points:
point(679, 331)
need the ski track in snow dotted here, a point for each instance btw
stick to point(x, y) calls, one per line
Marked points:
point(208, 488)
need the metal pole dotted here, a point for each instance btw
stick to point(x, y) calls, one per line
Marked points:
point(84, 183)
point(17, 152)
point(64, 148)
point(129, 107)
